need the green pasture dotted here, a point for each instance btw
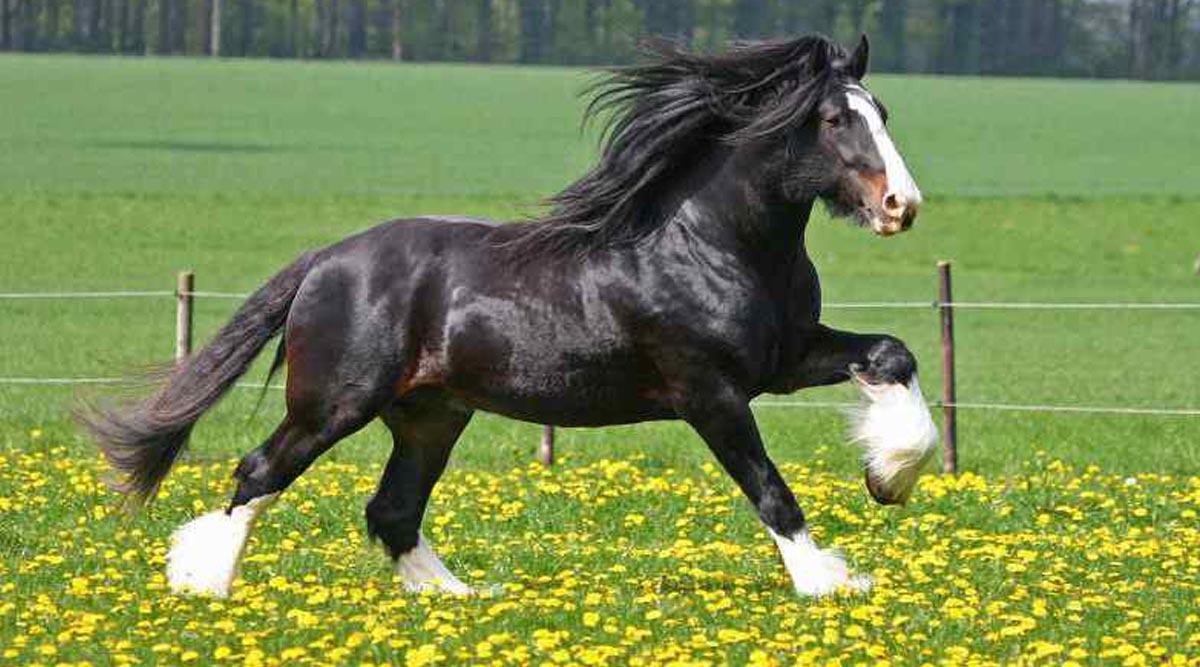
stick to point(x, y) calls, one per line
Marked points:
point(139, 126)
point(117, 173)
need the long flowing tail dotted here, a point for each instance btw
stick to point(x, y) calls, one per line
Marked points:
point(141, 440)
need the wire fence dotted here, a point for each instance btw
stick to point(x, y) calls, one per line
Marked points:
point(834, 305)
point(116, 294)
point(184, 296)
point(1001, 407)
point(761, 403)
point(766, 403)
point(1012, 305)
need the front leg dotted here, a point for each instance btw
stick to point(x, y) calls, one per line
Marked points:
point(829, 356)
point(723, 419)
point(893, 425)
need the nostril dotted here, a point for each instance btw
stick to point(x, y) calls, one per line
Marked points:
point(894, 203)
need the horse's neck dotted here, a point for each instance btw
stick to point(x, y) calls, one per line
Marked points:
point(733, 216)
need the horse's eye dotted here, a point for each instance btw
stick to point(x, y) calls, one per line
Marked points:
point(834, 121)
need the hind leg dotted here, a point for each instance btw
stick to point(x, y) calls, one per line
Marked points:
point(424, 427)
point(343, 362)
point(205, 554)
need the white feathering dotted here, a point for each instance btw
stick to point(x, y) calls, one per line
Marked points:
point(896, 431)
point(816, 572)
point(206, 552)
point(421, 569)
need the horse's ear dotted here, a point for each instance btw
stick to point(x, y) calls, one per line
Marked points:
point(857, 66)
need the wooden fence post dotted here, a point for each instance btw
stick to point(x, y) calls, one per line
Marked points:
point(184, 287)
point(546, 452)
point(949, 395)
point(214, 29)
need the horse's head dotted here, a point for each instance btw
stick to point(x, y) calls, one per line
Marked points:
point(789, 120)
point(850, 159)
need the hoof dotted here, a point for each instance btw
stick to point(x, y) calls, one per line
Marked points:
point(421, 570)
point(453, 587)
point(206, 553)
point(817, 572)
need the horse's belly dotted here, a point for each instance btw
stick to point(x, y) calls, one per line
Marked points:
point(566, 360)
point(565, 389)
point(567, 411)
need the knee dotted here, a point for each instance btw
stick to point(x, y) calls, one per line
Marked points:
point(888, 362)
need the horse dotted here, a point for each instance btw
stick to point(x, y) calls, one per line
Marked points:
point(670, 281)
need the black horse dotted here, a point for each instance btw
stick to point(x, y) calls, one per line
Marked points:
point(669, 282)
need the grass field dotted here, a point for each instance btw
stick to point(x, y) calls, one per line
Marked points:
point(114, 174)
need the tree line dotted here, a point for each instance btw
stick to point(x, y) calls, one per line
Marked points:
point(1154, 39)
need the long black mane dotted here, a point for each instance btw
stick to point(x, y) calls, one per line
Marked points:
point(665, 114)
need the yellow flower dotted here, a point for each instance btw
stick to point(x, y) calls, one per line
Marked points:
point(731, 636)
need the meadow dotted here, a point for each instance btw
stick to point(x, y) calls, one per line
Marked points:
point(1070, 537)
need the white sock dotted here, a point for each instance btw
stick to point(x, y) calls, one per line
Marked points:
point(815, 571)
point(896, 431)
point(206, 552)
point(421, 569)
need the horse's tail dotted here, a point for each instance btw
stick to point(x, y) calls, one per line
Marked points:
point(142, 439)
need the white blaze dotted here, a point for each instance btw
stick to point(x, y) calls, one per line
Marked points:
point(900, 182)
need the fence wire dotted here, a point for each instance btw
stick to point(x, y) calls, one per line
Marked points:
point(768, 403)
point(51, 382)
point(848, 305)
point(1006, 407)
point(124, 294)
point(1012, 305)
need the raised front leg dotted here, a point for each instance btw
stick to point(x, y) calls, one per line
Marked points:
point(723, 419)
point(893, 425)
point(831, 357)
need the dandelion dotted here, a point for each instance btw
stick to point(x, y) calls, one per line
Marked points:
point(612, 563)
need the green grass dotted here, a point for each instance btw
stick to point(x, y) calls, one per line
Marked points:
point(117, 173)
point(620, 557)
point(193, 126)
point(1086, 250)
